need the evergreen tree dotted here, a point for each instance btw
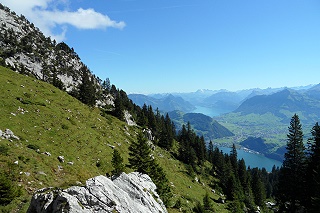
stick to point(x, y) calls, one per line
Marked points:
point(118, 107)
point(234, 159)
point(292, 173)
point(87, 93)
point(258, 188)
point(106, 86)
point(140, 160)
point(117, 163)
point(207, 205)
point(313, 171)
point(159, 178)
point(140, 155)
point(210, 152)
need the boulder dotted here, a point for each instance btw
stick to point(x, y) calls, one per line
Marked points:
point(61, 158)
point(134, 192)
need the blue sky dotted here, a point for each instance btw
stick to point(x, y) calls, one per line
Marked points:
point(156, 46)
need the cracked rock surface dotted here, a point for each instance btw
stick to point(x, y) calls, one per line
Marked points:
point(134, 192)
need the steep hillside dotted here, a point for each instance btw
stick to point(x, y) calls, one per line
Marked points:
point(202, 124)
point(49, 123)
point(24, 48)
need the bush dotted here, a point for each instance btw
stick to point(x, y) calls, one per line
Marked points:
point(33, 146)
point(8, 190)
point(4, 150)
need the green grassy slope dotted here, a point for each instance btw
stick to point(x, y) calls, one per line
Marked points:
point(50, 120)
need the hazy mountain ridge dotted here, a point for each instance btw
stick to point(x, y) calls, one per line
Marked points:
point(284, 103)
point(165, 103)
point(223, 100)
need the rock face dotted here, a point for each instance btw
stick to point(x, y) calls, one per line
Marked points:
point(134, 192)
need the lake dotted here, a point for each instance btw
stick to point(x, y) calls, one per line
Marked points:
point(254, 160)
point(212, 112)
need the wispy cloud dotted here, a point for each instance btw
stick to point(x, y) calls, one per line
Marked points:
point(48, 15)
point(154, 8)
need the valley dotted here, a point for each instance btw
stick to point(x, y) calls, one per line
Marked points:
point(259, 113)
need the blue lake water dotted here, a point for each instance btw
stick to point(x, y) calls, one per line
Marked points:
point(209, 111)
point(254, 160)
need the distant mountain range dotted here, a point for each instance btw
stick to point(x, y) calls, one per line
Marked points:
point(164, 103)
point(220, 100)
point(283, 104)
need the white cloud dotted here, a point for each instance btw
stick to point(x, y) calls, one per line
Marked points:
point(45, 15)
point(82, 19)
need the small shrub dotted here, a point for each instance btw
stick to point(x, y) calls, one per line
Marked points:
point(8, 190)
point(64, 126)
point(98, 164)
point(4, 150)
point(33, 146)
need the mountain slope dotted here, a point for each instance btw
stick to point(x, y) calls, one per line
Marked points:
point(50, 123)
point(283, 104)
point(24, 48)
point(202, 124)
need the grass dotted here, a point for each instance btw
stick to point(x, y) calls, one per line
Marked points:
point(48, 120)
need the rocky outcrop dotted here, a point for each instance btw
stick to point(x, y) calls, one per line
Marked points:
point(134, 192)
point(8, 134)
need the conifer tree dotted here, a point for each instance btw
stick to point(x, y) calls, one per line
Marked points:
point(140, 160)
point(207, 203)
point(210, 152)
point(292, 173)
point(87, 93)
point(140, 155)
point(313, 171)
point(258, 188)
point(234, 159)
point(117, 163)
point(118, 107)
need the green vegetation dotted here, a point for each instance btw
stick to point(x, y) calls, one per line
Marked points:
point(117, 163)
point(299, 177)
point(63, 126)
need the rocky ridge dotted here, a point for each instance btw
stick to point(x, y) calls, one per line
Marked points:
point(25, 49)
point(134, 192)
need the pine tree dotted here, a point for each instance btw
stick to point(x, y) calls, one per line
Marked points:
point(87, 93)
point(258, 188)
point(313, 171)
point(207, 203)
point(118, 107)
point(210, 152)
point(140, 155)
point(292, 173)
point(234, 159)
point(159, 178)
point(140, 160)
point(117, 163)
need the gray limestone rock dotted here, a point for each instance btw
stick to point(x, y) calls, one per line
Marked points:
point(127, 193)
